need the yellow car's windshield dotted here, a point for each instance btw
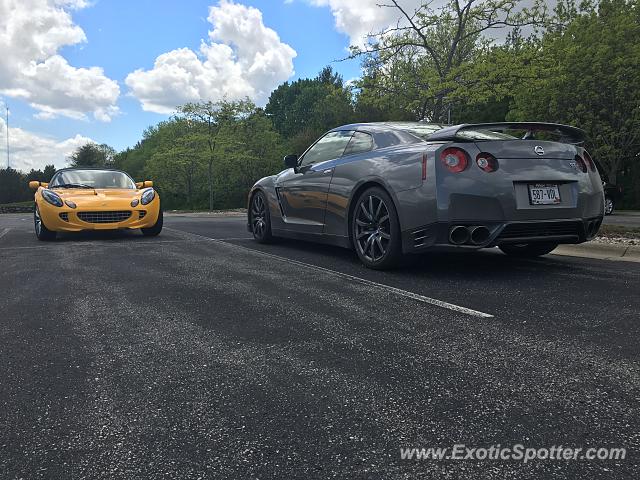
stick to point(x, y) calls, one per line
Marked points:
point(91, 178)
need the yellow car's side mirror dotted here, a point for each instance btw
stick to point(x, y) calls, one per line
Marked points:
point(145, 184)
point(33, 185)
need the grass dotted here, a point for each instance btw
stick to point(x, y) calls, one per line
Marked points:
point(28, 203)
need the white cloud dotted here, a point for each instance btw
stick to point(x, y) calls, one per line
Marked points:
point(242, 57)
point(31, 34)
point(359, 18)
point(28, 150)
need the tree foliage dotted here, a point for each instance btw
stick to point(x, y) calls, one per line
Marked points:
point(14, 184)
point(578, 64)
point(93, 155)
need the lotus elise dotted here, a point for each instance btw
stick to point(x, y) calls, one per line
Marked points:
point(387, 189)
point(79, 199)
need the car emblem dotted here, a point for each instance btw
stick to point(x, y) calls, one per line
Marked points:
point(573, 164)
point(539, 150)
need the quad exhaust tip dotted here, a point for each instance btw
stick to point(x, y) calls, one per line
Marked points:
point(459, 235)
point(479, 235)
point(476, 235)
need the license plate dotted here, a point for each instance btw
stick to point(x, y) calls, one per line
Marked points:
point(544, 194)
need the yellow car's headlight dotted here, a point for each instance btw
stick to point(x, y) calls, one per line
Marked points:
point(52, 198)
point(147, 196)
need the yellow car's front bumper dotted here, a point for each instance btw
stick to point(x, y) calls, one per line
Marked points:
point(66, 219)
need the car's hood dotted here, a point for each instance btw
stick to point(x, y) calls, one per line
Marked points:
point(99, 196)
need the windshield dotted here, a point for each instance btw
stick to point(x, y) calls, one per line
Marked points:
point(92, 179)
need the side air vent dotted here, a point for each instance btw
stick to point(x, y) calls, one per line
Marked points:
point(420, 237)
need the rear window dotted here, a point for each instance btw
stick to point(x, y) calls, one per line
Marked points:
point(420, 130)
point(486, 135)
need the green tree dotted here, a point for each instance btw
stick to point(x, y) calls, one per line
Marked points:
point(418, 66)
point(176, 162)
point(93, 155)
point(308, 107)
point(209, 120)
point(588, 75)
point(13, 186)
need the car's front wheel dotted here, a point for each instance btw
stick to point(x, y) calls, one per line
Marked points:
point(376, 229)
point(528, 250)
point(42, 232)
point(609, 205)
point(156, 228)
point(260, 218)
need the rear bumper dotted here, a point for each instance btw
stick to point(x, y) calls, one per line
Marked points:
point(437, 235)
point(69, 220)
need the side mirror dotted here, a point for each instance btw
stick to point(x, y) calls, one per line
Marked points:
point(145, 184)
point(34, 185)
point(291, 161)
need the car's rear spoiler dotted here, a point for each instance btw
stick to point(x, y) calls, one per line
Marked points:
point(567, 133)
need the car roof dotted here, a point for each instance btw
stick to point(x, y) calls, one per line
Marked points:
point(382, 126)
point(70, 169)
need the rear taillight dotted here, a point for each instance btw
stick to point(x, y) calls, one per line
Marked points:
point(487, 162)
point(424, 166)
point(455, 159)
point(580, 164)
point(590, 162)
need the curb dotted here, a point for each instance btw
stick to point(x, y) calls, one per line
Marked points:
point(625, 253)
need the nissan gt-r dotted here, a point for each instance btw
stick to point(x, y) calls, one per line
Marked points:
point(79, 199)
point(387, 189)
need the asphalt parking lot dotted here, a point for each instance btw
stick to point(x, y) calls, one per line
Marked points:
point(201, 354)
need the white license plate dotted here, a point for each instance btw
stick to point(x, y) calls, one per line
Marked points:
point(544, 194)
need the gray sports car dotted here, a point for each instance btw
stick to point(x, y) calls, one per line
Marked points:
point(388, 189)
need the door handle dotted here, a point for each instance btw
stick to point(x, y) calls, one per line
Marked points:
point(328, 170)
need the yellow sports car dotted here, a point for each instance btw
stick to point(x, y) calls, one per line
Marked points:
point(94, 199)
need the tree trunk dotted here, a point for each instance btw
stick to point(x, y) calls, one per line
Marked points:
point(211, 184)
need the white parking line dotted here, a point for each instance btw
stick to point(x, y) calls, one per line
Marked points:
point(363, 281)
point(4, 232)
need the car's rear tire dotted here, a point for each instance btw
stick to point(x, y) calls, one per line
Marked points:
point(609, 205)
point(375, 230)
point(154, 230)
point(528, 250)
point(260, 218)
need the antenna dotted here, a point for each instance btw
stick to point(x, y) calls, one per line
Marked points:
point(8, 164)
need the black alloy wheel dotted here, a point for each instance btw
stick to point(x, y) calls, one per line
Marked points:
point(260, 218)
point(376, 232)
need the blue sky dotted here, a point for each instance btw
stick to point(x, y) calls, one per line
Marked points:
point(75, 71)
point(125, 35)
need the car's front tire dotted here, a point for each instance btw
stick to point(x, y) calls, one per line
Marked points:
point(42, 232)
point(609, 205)
point(156, 228)
point(528, 250)
point(375, 229)
point(260, 218)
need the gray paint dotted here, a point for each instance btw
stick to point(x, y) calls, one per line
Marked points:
point(315, 201)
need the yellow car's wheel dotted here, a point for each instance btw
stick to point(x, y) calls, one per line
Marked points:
point(156, 228)
point(42, 232)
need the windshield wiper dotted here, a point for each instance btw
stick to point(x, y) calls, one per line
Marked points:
point(73, 185)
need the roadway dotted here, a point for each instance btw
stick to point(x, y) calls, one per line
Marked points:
point(201, 354)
